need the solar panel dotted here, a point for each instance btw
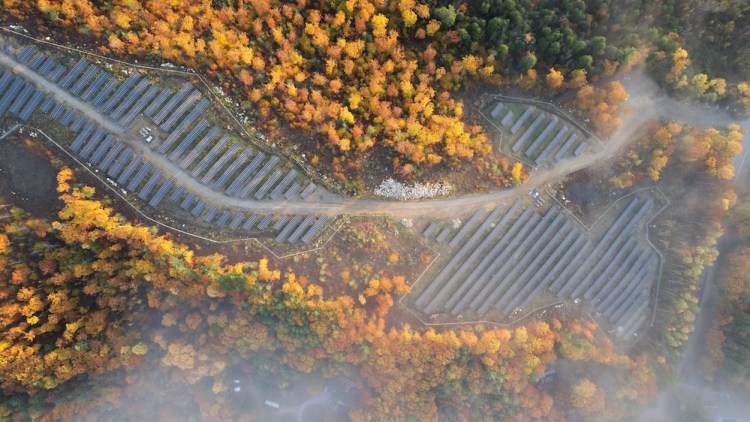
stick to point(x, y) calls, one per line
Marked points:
point(542, 136)
point(82, 137)
point(115, 98)
point(102, 149)
point(245, 192)
point(5, 80)
point(163, 189)
point(498, 108)
point(85, 79)
point(172, 103)
point(188, 201)
point(31, 106)
point(268, 184)
point(57, 111)
point(56, 74)
point(525, 116)
point(98, 83)
point(149, 186)
point(74, 72)
point(245, 174)
point(314, 229)
point(21, 99)
point(528, 132)
point(507, 119)
point(280, 222)
point(114, 170)
point(123, 107)
point(125, 175)
point(110, 157)
point(210, 214)
point(564, 149)
point(163, 95)
point(68, 117)
point(251, 220)
point(188, 160)
point(37, 61)
point(135, 110)
point(552, 144)
point(78, 124)
point(46, 68)
point(185, 143)
point(177, 194)
point(300, 230)
point(210, 156)
point(236, 221)
point(198, 208)
point(308, 191)
point(25, 54)
point(291, 225)
point(47, 105)
point(223, 218)
point(293, 190)
point(139, 176)
point(580, 149)
point(443, 235)
point(279, 189)
point(231, 169)
point(92, 143)
point(104, 93)
point(178, 131)
point(265, 222)
point(181, 110)
point(208, 177)
point(430, 230)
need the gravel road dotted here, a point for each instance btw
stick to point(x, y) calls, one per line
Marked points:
point(645, 105)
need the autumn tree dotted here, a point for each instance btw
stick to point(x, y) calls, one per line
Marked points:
point(62, 320)
point(601, 105)
point(554, 79)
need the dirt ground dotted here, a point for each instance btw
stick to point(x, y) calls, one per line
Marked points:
point(27, 176)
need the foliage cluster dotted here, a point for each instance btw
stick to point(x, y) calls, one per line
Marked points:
point(367, 76)
point(710, 151)
point(694, 168)
point(701, 52)
point(727, 347)
point(91, 295)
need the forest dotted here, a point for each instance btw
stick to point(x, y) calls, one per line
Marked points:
point(105, 300)
point(694, 168)
point(370, 79)
point(96, 309)
point(726, 357)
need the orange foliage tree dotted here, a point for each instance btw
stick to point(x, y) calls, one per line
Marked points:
point(340, 70)
point(62, 322)
point(601, 105)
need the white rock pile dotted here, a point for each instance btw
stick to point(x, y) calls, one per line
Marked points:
point(390, 188)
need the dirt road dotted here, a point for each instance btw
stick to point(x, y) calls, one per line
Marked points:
point(644, 102)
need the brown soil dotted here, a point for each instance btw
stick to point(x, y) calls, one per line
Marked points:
point(27, 176)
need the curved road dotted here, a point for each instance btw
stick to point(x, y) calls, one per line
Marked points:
point(644, 103)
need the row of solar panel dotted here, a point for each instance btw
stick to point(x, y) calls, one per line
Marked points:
point(122, 102)
point(227, 166)
point(245, 183)
point(111, 156)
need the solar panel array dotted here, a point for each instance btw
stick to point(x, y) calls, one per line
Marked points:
point(513, 255)
point(541, 138)
point(228, 166)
